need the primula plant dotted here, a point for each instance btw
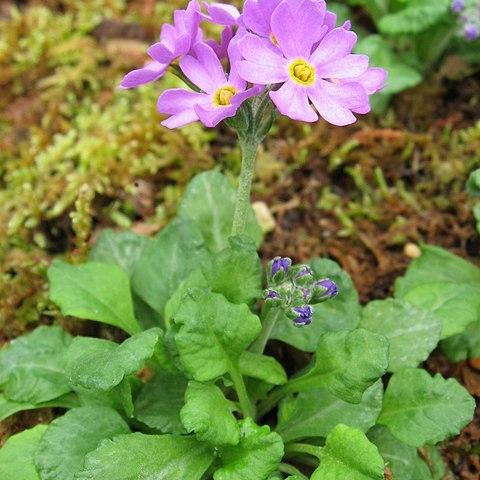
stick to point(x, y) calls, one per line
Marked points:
point(190, 393)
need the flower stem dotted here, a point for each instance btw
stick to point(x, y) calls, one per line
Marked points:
point(291, 470)
point(249, 152)
point(246, 406)
point(258, 346)
point(303, 448)
point(273, 398)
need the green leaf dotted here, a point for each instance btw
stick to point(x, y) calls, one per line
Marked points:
point(256, 456)
point(419, 409)
point(93, 291)
point(10, 407)
point(398, 456)
point(31, 368)
point(141, 457)
point(341, 313)
point(262, 367)
point(69, 438)
point(120, 248)
point(316, 412)
point(168, 259)
point(417, 16)
point(158, 404)
point(400, 75)
point(195, 280)
point(100, 364)
point(212, 333)
point(447, 285)
point(236, 271)
point(346, 363)
point(463, 345)
point(473, 184)
point(209, 414)
point(17, 455)
point(349, 454)
point(209, 201)
point(440, 265)
point(413, 332)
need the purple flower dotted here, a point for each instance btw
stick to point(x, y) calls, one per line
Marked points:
point(175, 41)
point(304, 315)
point(280, 263)
point(272, 295)
point(457, 6)
point(471, 32)
point(219, 97)
point(256, 18)
point(304, 271)
point(221, 13)
point(221, 49)
point(328, 289)
point(318, 76)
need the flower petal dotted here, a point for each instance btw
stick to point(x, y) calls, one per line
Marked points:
point(350, 66)
point(292, 100)
point(205, 69)
point(211, 116)
point(335, 102)
point(151, 72)
point(221, 13)
point(336, 44)
point(261, 74)
point(254, 20)
point(297, 26)
point(179, 103)
point(373, 80)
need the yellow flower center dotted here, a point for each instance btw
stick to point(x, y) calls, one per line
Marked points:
point(223, 95)
point(273, 39)
point(302, 72)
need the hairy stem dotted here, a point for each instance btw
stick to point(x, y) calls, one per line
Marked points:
point(249, 152)
point(246, 406)
point(258, 346)
point(313, 450)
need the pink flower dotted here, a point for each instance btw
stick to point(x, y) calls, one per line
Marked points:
point(175, 41)
point(219, 97)
point(313, 64)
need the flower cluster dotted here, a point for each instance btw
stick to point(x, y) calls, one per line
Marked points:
point(295, 289)
point(291, 49)
point(469, 17)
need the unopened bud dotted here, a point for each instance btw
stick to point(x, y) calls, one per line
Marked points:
point(302, 315)
point(324, 290)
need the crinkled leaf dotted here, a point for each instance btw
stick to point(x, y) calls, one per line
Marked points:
point(262, 367)
point(209, 201)
point(464, 345)
point(18, 453)
point(340, 313)
point(346, 363)
point(415, 17)
point(438, 265)
point(236, 271)
point(10, 407)
point(316, 412)
point(212, 333)
point(93, 291)
point(69, 438)
point(100, 364)
point(195, 280)
point(419, 409)
point(31, 368)
point(167, 260)
point(398, 456)
point(209, 414)
point(446, 284)
point(413, 332)
point(141, 457)
point(120, 248)
point(256, 456)
point(158, 404)
point(349, 455)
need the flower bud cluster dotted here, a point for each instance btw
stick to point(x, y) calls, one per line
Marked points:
point(295, 289)
point(469, 17)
